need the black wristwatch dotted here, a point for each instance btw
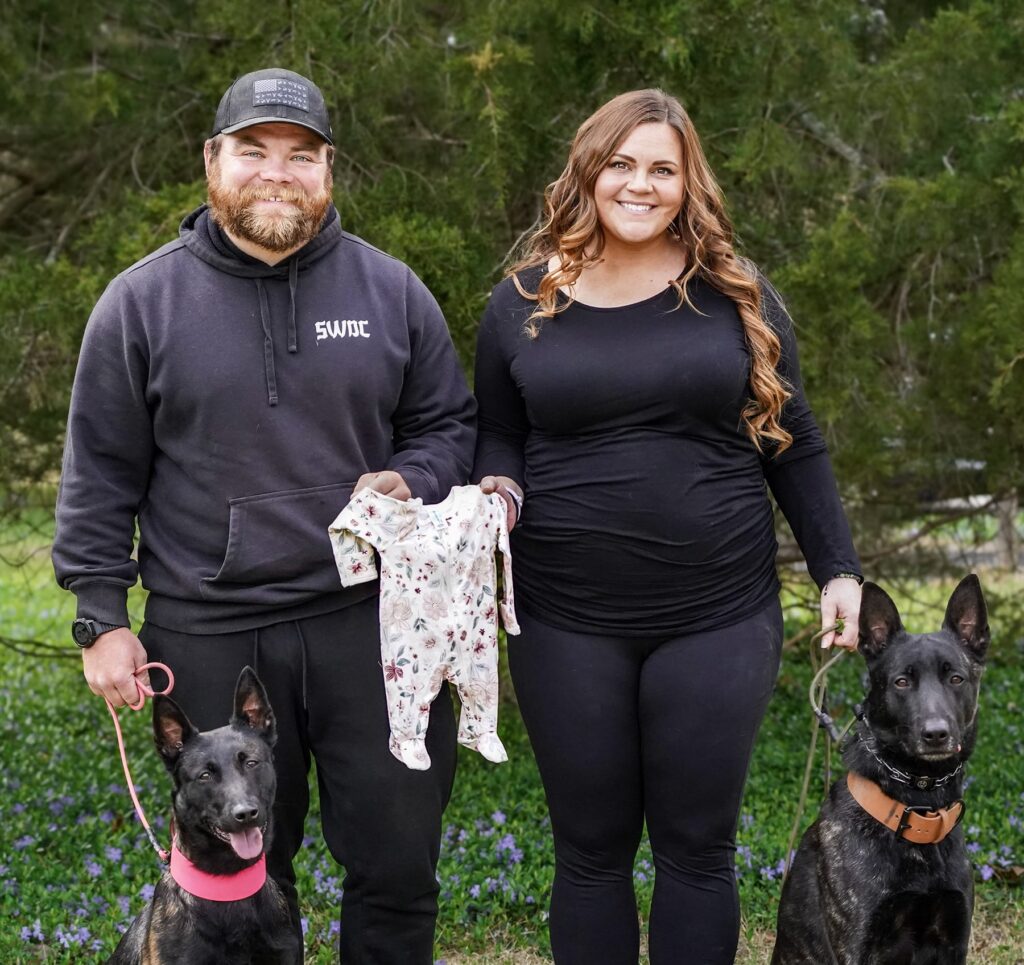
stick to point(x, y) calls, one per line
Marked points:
point(84, 632)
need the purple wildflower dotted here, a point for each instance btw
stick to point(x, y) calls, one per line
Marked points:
point(33, 932)
point(72, 936)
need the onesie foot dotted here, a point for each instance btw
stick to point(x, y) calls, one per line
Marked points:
point(412, 753)
point(490, 746)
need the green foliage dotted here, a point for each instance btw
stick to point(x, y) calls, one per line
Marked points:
point(870, 157)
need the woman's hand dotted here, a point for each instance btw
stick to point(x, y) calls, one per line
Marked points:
point(505, 488)
point(840, 600)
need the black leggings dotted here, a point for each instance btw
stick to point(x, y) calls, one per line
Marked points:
point(628, 729)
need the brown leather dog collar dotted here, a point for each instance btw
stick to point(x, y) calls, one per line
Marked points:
point(912, 824)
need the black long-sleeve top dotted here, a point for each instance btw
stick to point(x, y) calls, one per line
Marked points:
point(647, 510)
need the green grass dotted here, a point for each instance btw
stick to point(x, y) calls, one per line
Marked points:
point(74, 866)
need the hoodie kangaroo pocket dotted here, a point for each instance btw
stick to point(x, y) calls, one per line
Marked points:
point(278, 549)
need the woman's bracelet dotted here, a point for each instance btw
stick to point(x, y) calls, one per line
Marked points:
point(516, 499)
point(847, 576)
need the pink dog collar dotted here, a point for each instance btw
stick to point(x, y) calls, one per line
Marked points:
point(201, 884)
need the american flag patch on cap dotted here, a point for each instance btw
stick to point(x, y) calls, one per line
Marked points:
point(280, 91)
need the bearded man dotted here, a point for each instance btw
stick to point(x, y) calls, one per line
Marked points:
point(233, 389)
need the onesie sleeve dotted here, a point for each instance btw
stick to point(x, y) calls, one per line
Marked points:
point(507, 605)
point(354, 533)
point(801, 478)
point(502, 422)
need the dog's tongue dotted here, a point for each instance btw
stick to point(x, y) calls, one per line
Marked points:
point(247, 843)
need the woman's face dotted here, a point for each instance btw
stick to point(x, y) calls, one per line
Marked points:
point(640, 190)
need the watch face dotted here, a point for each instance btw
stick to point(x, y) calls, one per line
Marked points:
point(82, 632)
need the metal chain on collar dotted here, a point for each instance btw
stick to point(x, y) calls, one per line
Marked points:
point(921, 781)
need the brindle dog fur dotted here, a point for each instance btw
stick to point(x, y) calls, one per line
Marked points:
point(857, 893)
point(224, 786)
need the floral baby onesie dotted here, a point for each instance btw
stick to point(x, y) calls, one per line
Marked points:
point(438, 611)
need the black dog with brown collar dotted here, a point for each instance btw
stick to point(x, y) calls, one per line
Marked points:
point(882, 877)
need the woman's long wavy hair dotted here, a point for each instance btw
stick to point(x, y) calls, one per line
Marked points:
point(572, 230)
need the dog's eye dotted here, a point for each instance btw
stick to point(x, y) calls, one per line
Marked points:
point(205, 776)
point(251, 763)
point(901, 683)
point(956, 679)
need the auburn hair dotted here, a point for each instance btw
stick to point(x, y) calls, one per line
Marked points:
point(571, 230)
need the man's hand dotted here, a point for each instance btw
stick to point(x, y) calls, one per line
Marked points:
point(502, 485)
point(110, 664)
point(387, 483)
point(840, 600)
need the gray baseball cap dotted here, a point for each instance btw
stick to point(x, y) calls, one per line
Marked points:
point(273, 95)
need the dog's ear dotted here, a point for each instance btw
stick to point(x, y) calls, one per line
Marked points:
point(879, 620)
point(967, 616)
point(252, 708)
point(171, 729)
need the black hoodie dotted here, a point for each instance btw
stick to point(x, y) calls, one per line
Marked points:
point(230, 406)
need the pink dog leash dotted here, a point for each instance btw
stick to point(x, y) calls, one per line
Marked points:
point(144, 691)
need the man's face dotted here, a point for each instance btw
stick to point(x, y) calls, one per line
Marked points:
point(270, 184)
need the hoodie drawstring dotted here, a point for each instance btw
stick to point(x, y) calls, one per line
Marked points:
point(268, 341)
point(293, 283)
point(268, 338)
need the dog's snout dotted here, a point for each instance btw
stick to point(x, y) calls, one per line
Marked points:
point(935, 731)
point(245, 813)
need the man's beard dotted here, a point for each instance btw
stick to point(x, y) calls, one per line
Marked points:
point(235, 211)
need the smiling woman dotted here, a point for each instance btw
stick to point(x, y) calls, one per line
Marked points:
point(638, 380)
point(639, 193)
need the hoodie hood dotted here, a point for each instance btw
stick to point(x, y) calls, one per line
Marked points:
point(207, 241)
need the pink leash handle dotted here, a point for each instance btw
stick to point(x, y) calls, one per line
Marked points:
point(144, 691)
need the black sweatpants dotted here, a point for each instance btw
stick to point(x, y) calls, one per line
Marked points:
point(381, 820)
point(628, 729)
